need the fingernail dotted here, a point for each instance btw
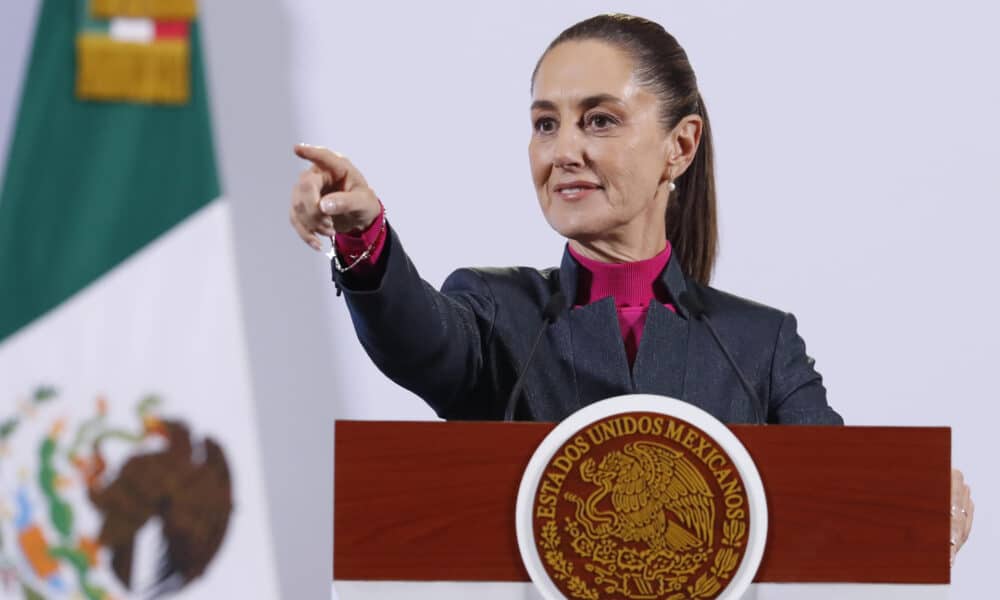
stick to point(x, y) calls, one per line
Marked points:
point(305, 145)
point(327, 205)
point(316, 246)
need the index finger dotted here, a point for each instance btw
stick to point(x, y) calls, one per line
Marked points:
point(333, 162)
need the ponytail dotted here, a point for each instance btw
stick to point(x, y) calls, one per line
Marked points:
point(691, 214)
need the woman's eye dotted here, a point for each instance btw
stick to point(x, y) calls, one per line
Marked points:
point(600, 121)
point(545, 125)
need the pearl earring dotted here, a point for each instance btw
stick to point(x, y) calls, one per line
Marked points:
point(672, 187)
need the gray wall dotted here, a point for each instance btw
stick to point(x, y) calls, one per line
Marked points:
point(282, 290)
point(17, 24)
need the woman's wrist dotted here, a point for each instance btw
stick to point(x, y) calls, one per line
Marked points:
point(361, 248)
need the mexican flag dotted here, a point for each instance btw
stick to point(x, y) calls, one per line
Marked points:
point(129, 465)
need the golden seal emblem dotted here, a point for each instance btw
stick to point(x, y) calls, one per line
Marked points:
point(640, 505)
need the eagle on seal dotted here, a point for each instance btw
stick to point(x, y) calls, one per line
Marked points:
point(658, 496)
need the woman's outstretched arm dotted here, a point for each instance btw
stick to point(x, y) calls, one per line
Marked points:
point(432, 343)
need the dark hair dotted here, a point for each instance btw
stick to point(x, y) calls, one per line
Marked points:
point(662, 66)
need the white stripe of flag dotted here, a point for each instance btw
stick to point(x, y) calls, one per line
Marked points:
point(142, 31)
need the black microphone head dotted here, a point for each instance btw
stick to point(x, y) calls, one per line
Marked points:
point(690, 300)
point(554, 306)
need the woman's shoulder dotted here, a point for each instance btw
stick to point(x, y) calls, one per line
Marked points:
point(726, 307)
point(508, 283)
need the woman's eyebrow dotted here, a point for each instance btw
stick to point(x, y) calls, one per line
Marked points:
point(592, 101)
point(584, 104)
point(543, 105)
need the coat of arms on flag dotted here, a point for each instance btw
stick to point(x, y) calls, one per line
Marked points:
point(100, 505)
point(134, 50)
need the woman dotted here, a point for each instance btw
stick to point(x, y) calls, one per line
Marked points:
point(621, 158)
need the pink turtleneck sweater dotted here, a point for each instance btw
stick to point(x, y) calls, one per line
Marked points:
point(630, 284)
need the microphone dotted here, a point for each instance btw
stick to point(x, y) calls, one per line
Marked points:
point(691, 301)
point(549, 315)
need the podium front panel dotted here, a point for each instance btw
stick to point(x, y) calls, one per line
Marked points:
point(435, 501)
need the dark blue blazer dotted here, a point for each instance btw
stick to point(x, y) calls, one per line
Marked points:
point(462, 349)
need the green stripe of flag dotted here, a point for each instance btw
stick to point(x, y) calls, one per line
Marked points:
point(87, 184)
point(87, 22)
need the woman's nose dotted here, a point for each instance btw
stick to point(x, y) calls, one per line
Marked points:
point(568, 148)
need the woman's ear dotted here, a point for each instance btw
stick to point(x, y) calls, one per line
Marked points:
point(684, 138)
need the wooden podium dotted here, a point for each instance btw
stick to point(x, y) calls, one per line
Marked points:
point(434, 501)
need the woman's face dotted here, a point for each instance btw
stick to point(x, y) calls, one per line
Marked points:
point(599, 153)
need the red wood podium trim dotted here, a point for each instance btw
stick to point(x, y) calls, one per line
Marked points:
point(433, 501)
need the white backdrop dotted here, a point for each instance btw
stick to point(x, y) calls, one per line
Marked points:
point(857, 164)
point(857, 169)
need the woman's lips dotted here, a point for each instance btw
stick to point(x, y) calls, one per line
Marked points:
point(575, 194)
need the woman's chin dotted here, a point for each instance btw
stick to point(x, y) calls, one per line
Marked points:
point(577, 225)
point(577, 231)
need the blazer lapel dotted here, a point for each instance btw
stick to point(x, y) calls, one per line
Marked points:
point(598, 354)
point(599, 361)
point(600, 366)
point(661, 363)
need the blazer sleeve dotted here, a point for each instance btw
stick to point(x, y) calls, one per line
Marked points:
point(431, 343)
point(798, 396)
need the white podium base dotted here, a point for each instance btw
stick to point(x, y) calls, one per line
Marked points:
point(422, 590)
